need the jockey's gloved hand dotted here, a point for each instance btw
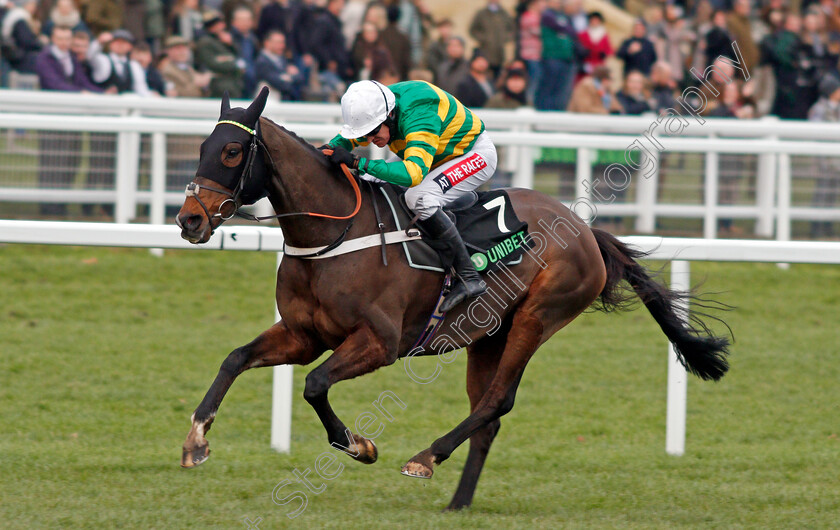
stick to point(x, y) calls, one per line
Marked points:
point(325, 147)
point(343, 156)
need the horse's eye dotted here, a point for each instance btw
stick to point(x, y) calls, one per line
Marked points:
point(233, 152)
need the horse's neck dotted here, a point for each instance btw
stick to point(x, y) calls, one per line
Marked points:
point(304, 184)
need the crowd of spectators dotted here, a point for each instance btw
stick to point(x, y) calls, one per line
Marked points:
point(311, 50)
point(550, 54)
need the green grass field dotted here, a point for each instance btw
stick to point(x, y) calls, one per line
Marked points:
point(105, 353)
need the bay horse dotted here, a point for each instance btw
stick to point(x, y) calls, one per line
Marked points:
point(369, 314)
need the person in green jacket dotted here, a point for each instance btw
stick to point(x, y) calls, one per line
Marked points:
point(443, 153)
point(216, 53)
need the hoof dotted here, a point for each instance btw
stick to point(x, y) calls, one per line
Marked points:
point(361, 450)
point(196, 456)
point(420, 466)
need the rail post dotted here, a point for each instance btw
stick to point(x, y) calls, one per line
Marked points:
point(677, 376)
point(281, 399)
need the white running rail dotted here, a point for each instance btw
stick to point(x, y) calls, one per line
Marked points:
point(679, 251)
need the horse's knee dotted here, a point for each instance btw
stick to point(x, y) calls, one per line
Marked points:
point(234, 363)
point(316, 387)
point(507, 403)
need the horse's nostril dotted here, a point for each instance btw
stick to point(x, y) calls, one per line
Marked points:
point(191, 222)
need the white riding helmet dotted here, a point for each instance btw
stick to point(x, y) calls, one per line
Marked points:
point(364, 106)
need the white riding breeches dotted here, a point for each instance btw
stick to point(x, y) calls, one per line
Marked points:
point(453, 179)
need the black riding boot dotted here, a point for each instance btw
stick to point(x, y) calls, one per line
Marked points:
point(449, 244)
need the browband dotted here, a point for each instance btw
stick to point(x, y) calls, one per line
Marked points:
point(250, 131)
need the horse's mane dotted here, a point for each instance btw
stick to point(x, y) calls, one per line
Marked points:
point(309, 147)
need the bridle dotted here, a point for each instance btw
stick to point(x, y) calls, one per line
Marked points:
point(235, 198)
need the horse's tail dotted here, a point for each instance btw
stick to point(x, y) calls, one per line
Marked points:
point(698, 349)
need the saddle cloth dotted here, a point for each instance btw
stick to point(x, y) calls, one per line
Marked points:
point(487, 222)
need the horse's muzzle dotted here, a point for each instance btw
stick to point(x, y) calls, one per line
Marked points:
point(191, 228)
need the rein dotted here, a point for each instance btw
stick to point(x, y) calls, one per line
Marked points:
point(193, 188)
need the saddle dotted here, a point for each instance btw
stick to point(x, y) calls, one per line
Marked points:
point(486, 221)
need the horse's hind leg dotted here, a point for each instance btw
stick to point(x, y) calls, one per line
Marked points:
point(482, 361)
point(277, 345)
point(522, 342)
point(555, 299)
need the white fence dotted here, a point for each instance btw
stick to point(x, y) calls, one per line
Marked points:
point(520, 133)
point(680, 251)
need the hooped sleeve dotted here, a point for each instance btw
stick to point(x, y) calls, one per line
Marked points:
point(421, 142)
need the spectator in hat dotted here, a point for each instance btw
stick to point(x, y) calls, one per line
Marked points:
point(593, 94)
point(276, 67)
point(596, 41)
point(637, 52)
point(183, 81)
point(455, 68)
point(216, 53)
point(514, 87)
point(477, 87)
point(493, 28)
point(115, 72)
point(115, 69)
point(178, 70)
point(827, 185)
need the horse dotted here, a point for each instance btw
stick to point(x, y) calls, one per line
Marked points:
point(369, 314)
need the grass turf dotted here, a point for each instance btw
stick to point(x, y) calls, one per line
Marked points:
point(106, 352)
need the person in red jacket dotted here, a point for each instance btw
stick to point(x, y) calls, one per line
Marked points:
point(595, 39)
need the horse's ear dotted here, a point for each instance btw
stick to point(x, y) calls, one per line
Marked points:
point(225, 102)
point(256, 107)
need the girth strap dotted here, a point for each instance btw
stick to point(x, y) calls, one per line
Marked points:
point(353, 245)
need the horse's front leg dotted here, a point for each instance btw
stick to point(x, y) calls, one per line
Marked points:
point(361, 353)
point(277, 345)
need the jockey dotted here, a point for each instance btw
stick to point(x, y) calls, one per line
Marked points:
point(443, 153)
